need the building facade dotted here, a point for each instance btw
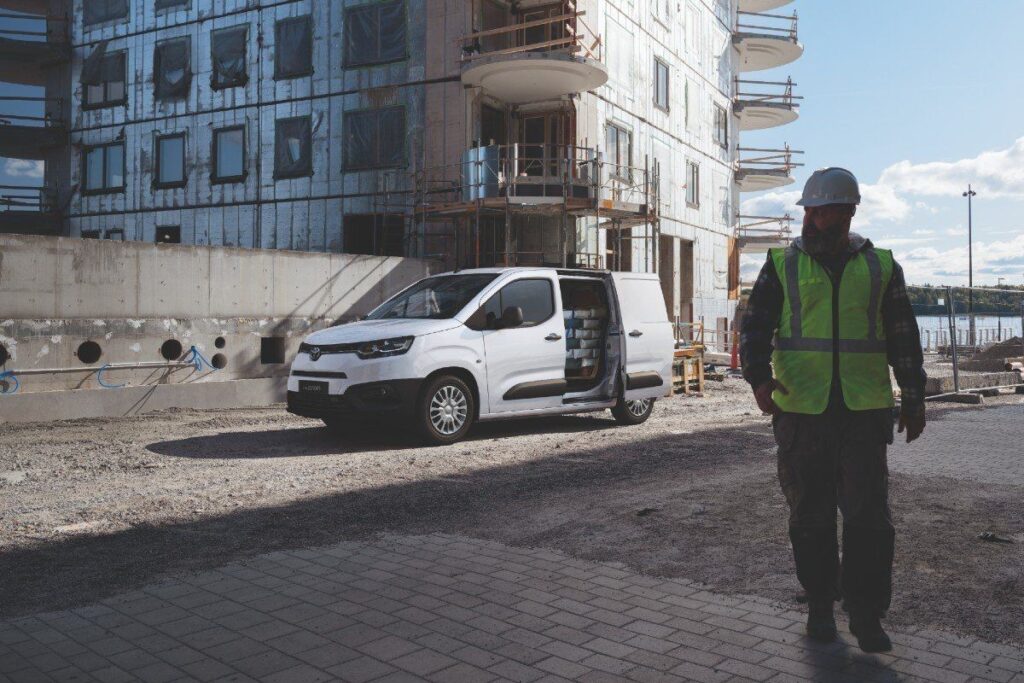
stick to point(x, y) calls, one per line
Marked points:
point(594, 133)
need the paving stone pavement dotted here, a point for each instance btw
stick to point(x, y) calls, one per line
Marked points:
point(950, 447)
point(451, 609)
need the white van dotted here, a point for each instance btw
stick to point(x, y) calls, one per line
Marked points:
point(492, 344)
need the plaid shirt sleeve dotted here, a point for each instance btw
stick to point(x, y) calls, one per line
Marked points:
point(764, 309)
point(903, 342)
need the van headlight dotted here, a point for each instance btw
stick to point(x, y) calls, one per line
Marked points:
point(384, 347)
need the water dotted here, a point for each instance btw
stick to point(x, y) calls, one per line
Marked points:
point(988, 328)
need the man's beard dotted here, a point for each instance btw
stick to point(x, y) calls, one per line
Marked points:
point(826, 243)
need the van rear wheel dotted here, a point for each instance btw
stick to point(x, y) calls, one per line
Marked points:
point(445, 410)
point(633, 412)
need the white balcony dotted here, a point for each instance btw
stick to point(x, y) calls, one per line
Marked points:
point(765, 41)
point(534, 61)
point(758, 234)
point(765, 104)
point(765, 169)
point(761, 5)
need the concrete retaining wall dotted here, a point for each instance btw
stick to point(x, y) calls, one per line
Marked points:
point(248, 309)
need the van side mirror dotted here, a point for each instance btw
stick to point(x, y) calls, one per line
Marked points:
point(512, 317)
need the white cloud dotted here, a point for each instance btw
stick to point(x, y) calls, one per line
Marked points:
point(998, 173)
point(878, 203)
point(949, 266)
point(924, 232)
point(22, 168)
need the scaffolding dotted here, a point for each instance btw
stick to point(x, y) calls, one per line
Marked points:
point(486, 209)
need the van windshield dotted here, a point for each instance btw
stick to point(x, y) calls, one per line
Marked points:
point(436, 297)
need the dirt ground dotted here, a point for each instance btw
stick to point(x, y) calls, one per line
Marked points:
point(90, 508)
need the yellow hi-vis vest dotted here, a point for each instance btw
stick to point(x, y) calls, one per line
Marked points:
point(805, 342)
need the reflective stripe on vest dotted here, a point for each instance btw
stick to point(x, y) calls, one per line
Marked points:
point(805, 345)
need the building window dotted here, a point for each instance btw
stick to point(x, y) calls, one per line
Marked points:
point(620, 151)
point(103, 168)
point(96, 11)
point(660, 84)
point(103, 78)
point(374, 234)
point(293, 47)
point(90, 234)
point(293, 147)
point(172, 68)
point(170, 161)
point(692, 184)
point(116, 234)
point(374, 138)
point(229, 154)
point(375, 33)
point(170, 4)
point(168, 234)
point(227, 55)
point(662, 10)
point(722, 126)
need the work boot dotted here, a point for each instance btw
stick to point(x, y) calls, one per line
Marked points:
point(821, 622)
point(870, 635)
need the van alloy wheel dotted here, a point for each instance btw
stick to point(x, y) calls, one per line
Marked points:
point(633, 412)
point(449, 410)
point(638, 408)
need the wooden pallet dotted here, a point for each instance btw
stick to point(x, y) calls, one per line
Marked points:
point(688, 372)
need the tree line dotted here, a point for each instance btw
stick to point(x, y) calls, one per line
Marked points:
point(987, 301)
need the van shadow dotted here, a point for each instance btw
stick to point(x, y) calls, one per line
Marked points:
point(364, 438)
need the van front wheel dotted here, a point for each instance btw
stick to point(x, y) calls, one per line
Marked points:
point(633, 412)
point(445, 411)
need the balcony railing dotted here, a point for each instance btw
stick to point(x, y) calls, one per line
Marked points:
point(764, 227)
point(766, 92)
point(29, 113)
point(767, 160)
point(763, 24)
point(28, 198)
point(567, 32)
point(27, 27)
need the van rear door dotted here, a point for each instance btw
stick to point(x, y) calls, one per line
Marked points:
point(649, 342)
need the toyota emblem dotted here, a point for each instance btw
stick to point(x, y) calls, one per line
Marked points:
point(314, 353)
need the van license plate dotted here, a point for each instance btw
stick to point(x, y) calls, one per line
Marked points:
point(308, 387)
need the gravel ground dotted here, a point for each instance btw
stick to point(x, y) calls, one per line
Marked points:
point(90, 508)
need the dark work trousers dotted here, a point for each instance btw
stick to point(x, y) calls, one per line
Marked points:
point(830, 461)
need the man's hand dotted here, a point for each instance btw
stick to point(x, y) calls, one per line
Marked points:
point(913, 423)
point(763, 396)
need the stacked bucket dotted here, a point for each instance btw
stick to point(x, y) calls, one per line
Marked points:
point(584, 334)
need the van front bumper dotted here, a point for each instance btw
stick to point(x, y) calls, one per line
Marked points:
point(371, 399)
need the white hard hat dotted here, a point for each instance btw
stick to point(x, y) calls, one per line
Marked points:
point(830, 186)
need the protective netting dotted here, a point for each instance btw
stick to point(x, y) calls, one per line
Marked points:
point(375, 138)
point(172, 72)
point(293, 45)
point(375, 33)
point(293, 147)
point(228, 56)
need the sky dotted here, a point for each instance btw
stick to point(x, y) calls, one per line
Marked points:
point(918, 98)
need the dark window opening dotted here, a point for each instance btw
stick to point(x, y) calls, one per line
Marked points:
point(116, 234)
point(375, 234)
point(293, 47)
point(103, 78)
point(620, 151)
point(103, 168)
point(692, 184)
point(721, 126)
point(374, 138)
point(168, 4)
point(96, 11)
point(293, 142)
point(171, 349)
point(271, 350)
point(170, 161)
point(172, 68)
point(229, 154)
point(168, 234)
point(89, 352)
point(90, 234)
point(375, 33)
point(227, 52)
point(661, 74)
point(536, 297)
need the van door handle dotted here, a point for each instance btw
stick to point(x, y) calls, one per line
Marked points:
point(636, 333)
point(553, 337)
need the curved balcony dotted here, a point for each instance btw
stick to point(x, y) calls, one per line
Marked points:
point(768, 169)
point(758, 234)
point(25, 132)
point(759, 6)
point(534, 61)
point(765, 41)
point(765, 104)
point(28, 210)
point(29, 45)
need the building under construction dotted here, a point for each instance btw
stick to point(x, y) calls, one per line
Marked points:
point(594, 133)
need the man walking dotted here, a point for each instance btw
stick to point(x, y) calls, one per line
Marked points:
point(830, 314)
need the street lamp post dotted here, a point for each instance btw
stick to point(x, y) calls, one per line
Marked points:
point(970, 262)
